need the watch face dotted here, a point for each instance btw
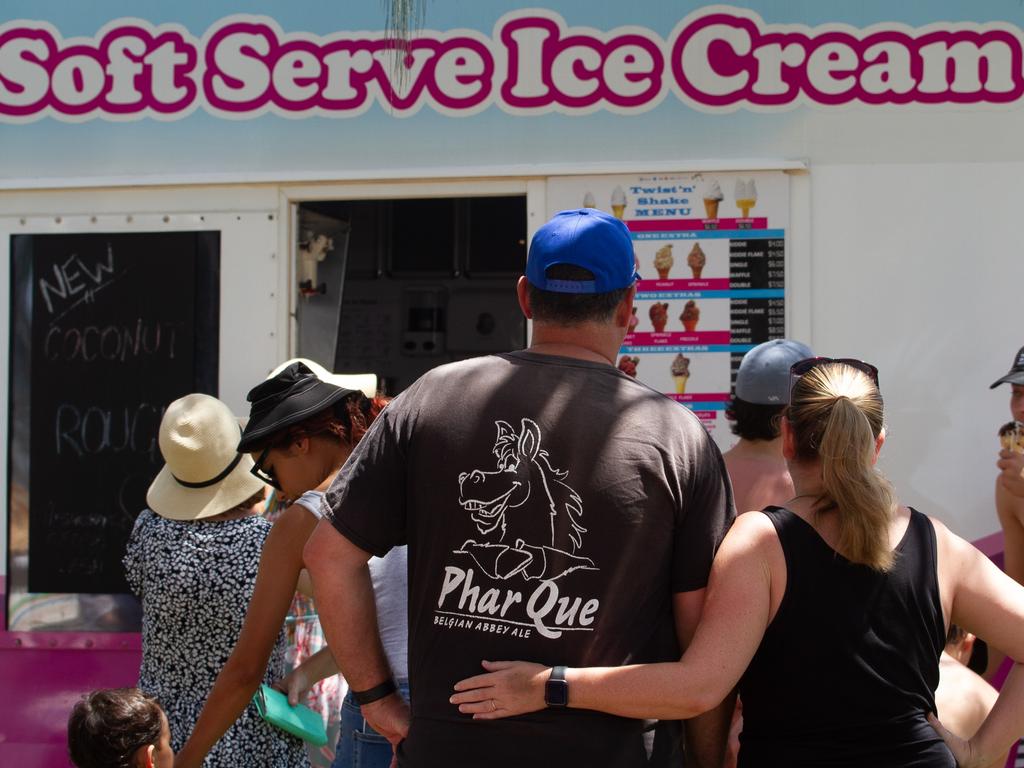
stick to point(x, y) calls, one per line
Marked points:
point(556, 693)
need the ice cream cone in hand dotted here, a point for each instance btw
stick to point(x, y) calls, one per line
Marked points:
point(1011, 436)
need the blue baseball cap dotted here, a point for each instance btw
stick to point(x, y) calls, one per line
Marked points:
point(587, 238)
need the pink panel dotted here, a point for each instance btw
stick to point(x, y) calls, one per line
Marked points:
point(42, 675)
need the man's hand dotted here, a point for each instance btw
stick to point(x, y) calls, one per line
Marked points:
point(390, 718)
point(1011, 466)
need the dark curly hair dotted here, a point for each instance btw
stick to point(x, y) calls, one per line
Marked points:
point(753, 421)
point(572, 308)
point(106, 728)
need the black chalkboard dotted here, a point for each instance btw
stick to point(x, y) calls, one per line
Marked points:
point(107, 329)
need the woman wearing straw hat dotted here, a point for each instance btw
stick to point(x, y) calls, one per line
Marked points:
point(192, 561)
point(302, 430)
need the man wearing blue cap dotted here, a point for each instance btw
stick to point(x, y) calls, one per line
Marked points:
point(555, 510)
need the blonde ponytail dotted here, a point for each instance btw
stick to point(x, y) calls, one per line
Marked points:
point(836, 413)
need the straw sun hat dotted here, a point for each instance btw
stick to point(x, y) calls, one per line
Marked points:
point(204, 474)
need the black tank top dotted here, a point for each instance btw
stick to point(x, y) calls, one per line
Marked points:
point(848, 667)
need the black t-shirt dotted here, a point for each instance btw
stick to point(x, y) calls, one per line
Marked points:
point(552, 507)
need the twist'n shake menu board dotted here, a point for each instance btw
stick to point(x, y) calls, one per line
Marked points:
point(712, 250)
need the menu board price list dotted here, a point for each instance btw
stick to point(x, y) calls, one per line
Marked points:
point(757, 264)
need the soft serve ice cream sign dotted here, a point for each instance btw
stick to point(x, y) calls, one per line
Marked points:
point(717, 58)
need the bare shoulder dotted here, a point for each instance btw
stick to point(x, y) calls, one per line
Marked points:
point(292, 528)
point(949, 543)
point(752, 532)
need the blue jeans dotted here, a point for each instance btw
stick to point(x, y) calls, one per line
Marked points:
point(359, 745)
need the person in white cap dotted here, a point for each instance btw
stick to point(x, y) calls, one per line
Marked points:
point(301, 429)
point(192, 560)
point(756, 465)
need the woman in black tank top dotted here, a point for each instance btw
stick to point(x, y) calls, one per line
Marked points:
point(829, 613)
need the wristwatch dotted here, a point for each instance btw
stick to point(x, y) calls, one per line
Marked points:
point(556, 689)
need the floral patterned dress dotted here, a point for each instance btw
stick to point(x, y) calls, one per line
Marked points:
point(305, 637)
point(195, 580)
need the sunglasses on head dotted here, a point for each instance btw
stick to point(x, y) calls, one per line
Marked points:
point(801, 367)
point(266, 475)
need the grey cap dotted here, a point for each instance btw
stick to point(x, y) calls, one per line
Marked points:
point(1016, 374)
point(763, 377)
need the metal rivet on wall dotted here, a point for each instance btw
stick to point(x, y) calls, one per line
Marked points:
point(92, 219)
point(58, 219)
point(128, 219)
point(167, 219)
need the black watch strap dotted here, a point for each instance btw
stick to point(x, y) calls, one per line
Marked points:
point(556, 690)
point(377, 692)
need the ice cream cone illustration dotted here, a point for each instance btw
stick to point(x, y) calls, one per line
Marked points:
point(618, 203)
point(712, 197)
point(589, 201)
point(659, 316)
point(663, 261)
point(690, 315)
point(680, 373)
point(746, 196)
point(696, 260)
point(628, 365)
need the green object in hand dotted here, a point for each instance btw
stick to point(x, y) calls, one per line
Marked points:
point(299, 720)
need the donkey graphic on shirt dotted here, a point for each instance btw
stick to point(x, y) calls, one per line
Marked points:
point(529, 519)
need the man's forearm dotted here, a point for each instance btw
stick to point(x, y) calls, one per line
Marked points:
point(343, 592)
point(708, 734)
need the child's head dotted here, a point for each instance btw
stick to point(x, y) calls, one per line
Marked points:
point(119, 728)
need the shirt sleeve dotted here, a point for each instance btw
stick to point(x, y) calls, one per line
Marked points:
point(706, 514)
point(366, 503)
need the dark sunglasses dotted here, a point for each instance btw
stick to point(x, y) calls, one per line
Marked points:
point(266, 475)
point(801, 367)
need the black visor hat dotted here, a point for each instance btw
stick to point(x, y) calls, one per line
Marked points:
point(290, 397)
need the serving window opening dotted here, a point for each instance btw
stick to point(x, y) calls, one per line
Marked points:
point(397, 287)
